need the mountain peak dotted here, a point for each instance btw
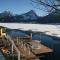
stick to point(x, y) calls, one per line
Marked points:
point(30, 15)
point(7, 16)
point(31, 11)
point(6, 13)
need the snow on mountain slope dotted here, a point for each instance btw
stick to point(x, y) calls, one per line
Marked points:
point(31, 15)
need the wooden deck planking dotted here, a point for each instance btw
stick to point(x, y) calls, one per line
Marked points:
point(42, 49)
point(26, 53)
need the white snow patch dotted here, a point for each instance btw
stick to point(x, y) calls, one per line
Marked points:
point(53, 30)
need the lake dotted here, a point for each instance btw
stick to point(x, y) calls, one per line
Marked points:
point(48, 29)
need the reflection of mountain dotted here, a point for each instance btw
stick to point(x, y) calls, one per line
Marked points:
point(7, 16)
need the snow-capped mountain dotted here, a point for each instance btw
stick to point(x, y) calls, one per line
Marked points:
point(6, 13)
point(31, 15)
point(7, 16)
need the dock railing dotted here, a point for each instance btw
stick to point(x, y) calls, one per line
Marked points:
point(13, 46)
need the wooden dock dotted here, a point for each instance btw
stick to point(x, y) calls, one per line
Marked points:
point(30, 53)
point(25, 52)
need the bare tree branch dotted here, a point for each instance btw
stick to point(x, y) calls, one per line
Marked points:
point(49, 4)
